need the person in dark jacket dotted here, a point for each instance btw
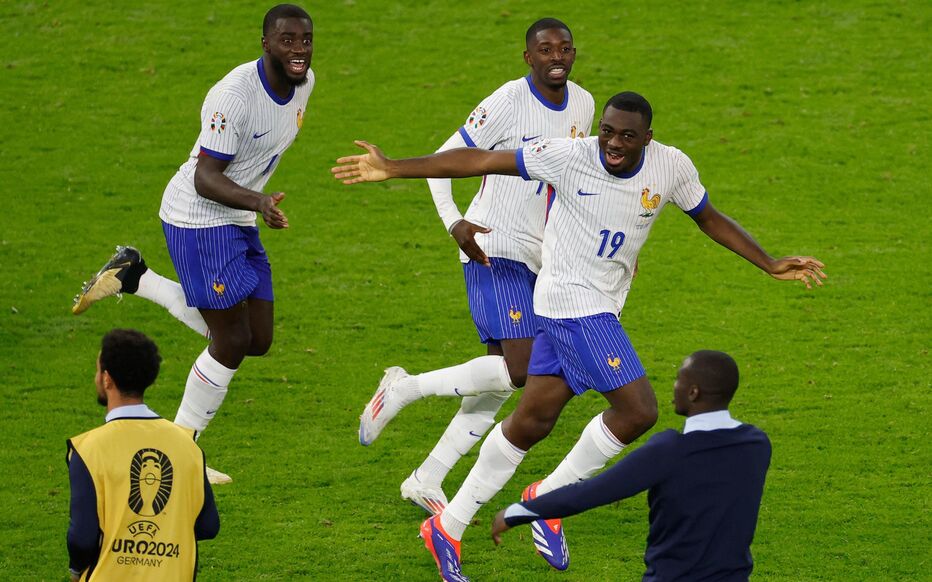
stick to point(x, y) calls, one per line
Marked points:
point(704, 485)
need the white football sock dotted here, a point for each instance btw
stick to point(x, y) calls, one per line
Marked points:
point(498, 460)
point(595, 447)
point(204, 392)
point(475, 416)
point(477, 376)
point(169, 295)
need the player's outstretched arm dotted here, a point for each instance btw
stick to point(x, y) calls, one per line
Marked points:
point(211, 183)
point(728, 233)
point(374, 166)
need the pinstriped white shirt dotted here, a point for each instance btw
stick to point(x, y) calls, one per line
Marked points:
point(245, 122)
point(515, 115)
point(599, 222)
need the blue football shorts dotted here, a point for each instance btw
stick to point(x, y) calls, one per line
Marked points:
point(219, 266)
point(501, 299)
point(590, 353)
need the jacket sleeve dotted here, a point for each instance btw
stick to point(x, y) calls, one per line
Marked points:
point(207, 525)
point(84, 527)
point(638, 471)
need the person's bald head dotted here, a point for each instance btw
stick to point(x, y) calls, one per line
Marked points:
point(706, 381)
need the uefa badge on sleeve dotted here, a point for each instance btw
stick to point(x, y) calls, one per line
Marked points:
point(477, 118)
point(218, 122)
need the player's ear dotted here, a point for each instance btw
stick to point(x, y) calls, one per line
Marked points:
point(527, 58)
point(649, 136)
point(265, 45)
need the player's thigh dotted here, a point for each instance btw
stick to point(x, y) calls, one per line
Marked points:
point(261, 325)
point(517, 353)
point(538, 409)
point(634, 398)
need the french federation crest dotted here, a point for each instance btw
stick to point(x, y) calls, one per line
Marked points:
point(614, 362)
point(477, 118)
point(300, 120)
point(515, 314)
point(650, 203)
point(218, 122)
point(574, 133)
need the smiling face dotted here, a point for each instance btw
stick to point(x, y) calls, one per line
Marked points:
point(550, 54)
point(623, 135)
point(290, 45)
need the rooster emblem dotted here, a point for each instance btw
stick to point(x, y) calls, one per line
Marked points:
point(515, 315)
point(300, 120)
point(650, 203)
point(219, 287)
point(615, 362)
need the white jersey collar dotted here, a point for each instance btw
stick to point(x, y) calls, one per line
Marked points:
point(716, 420)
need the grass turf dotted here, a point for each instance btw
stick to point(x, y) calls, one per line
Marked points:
point(808, 123)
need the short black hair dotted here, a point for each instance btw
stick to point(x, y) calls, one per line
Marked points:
point(545, 24)
point(283, 11)
point(631, 101)
point(716, 374)
point(131, 359)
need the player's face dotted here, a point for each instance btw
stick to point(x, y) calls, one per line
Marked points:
point(290, 44)
point(99, 383)
point(622, 138)
point(551, 55)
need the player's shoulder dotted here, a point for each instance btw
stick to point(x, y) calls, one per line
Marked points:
point(577, 92)
point(667, 153)
point(239, 82)
point(509, 91)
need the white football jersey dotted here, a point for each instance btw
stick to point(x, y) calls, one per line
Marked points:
point(245, 122)
point(599, 222)
point(515, 115)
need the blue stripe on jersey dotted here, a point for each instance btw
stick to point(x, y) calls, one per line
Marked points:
point(695, 211)
point(268, 88)
point(543, 100)
point(519, 158)
point(218, 155)
point(466, 137)
point(626, 175)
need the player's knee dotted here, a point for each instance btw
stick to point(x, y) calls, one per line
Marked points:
point(518, 380)
point(260, 345)
point(644, 416)
point(235, 344)
point(529, 430)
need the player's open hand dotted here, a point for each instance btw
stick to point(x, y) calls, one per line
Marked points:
point(369, 167)
point(464, 233)
point(806, 269)
point(499, 527)
point(271, 213)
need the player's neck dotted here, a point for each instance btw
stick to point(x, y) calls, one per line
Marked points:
point(276, 81)
point(555, 95)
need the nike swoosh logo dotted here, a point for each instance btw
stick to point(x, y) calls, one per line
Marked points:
point(209, 412)
point(478, 436)
point(581, 193)
point(527, 139)
point(258, 135)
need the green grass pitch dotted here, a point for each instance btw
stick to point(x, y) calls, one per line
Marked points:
point(809, 123)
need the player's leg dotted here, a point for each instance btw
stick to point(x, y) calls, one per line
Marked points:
point(126, 272)
point(213, 370)
point(217, 277)
point(424, 487)
point(503, 450)
point(606, 362)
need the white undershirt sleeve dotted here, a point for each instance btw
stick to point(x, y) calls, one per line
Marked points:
point(441, 189)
